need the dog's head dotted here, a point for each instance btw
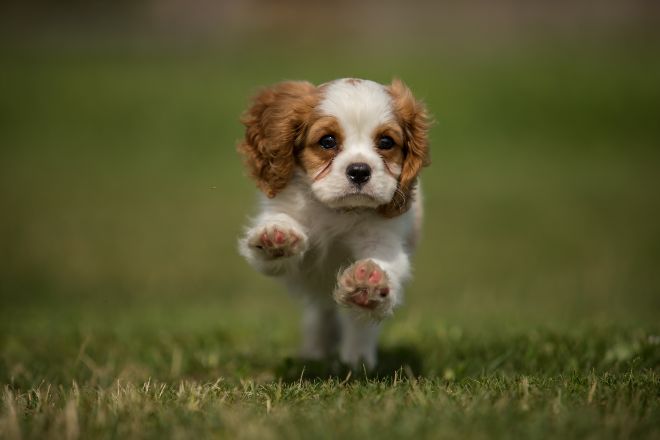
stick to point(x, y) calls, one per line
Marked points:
point(360, 144)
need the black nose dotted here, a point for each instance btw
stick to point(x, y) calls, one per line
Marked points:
point(358, 173)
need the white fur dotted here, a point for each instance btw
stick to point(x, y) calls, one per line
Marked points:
point(331, 239)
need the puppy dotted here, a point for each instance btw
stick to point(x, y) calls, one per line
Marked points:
point(338, 166)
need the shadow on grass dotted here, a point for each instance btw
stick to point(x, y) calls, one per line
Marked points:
point(391, 360)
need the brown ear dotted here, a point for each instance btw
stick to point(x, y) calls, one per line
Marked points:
point(414, 119)
point(274, 127)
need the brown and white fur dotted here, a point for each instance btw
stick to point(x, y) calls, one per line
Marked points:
point(341, 210)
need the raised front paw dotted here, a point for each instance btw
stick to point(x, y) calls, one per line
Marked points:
point(364, 285)
point(276, 241)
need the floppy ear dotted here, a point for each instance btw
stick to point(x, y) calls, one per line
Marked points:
point(275, 125)
point(414, 120)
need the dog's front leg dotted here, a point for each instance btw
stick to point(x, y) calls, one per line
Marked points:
point(373, 284)
point(370, 289)
point(274, 244)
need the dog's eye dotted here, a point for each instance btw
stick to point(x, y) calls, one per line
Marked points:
point(385, 142)
point(328, 142)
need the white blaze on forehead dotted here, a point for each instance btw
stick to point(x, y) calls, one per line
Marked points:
point(360, 106)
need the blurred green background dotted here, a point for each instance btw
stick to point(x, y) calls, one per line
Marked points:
point(122, 196)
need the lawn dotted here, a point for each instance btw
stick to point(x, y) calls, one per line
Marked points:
point(125, 310)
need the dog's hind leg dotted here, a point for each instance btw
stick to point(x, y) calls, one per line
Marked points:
point(320, 330)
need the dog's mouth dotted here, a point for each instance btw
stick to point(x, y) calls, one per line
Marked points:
point(358, 194)
point(355, 199)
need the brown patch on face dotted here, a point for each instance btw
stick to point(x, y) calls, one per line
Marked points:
point(275, 127)
point(392, 157)
point(353, 81)
point(413, 119)
point(314, 159)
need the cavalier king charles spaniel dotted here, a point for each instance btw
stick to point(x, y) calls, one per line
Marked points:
point(341, 211)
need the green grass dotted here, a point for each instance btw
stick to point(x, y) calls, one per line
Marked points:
point(599, 383)
point(125, 310)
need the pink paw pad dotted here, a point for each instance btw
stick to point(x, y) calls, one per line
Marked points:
point(361, 272)
point(265, 240)
point(375, 277)
point(276, 242)
point(363, 284)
